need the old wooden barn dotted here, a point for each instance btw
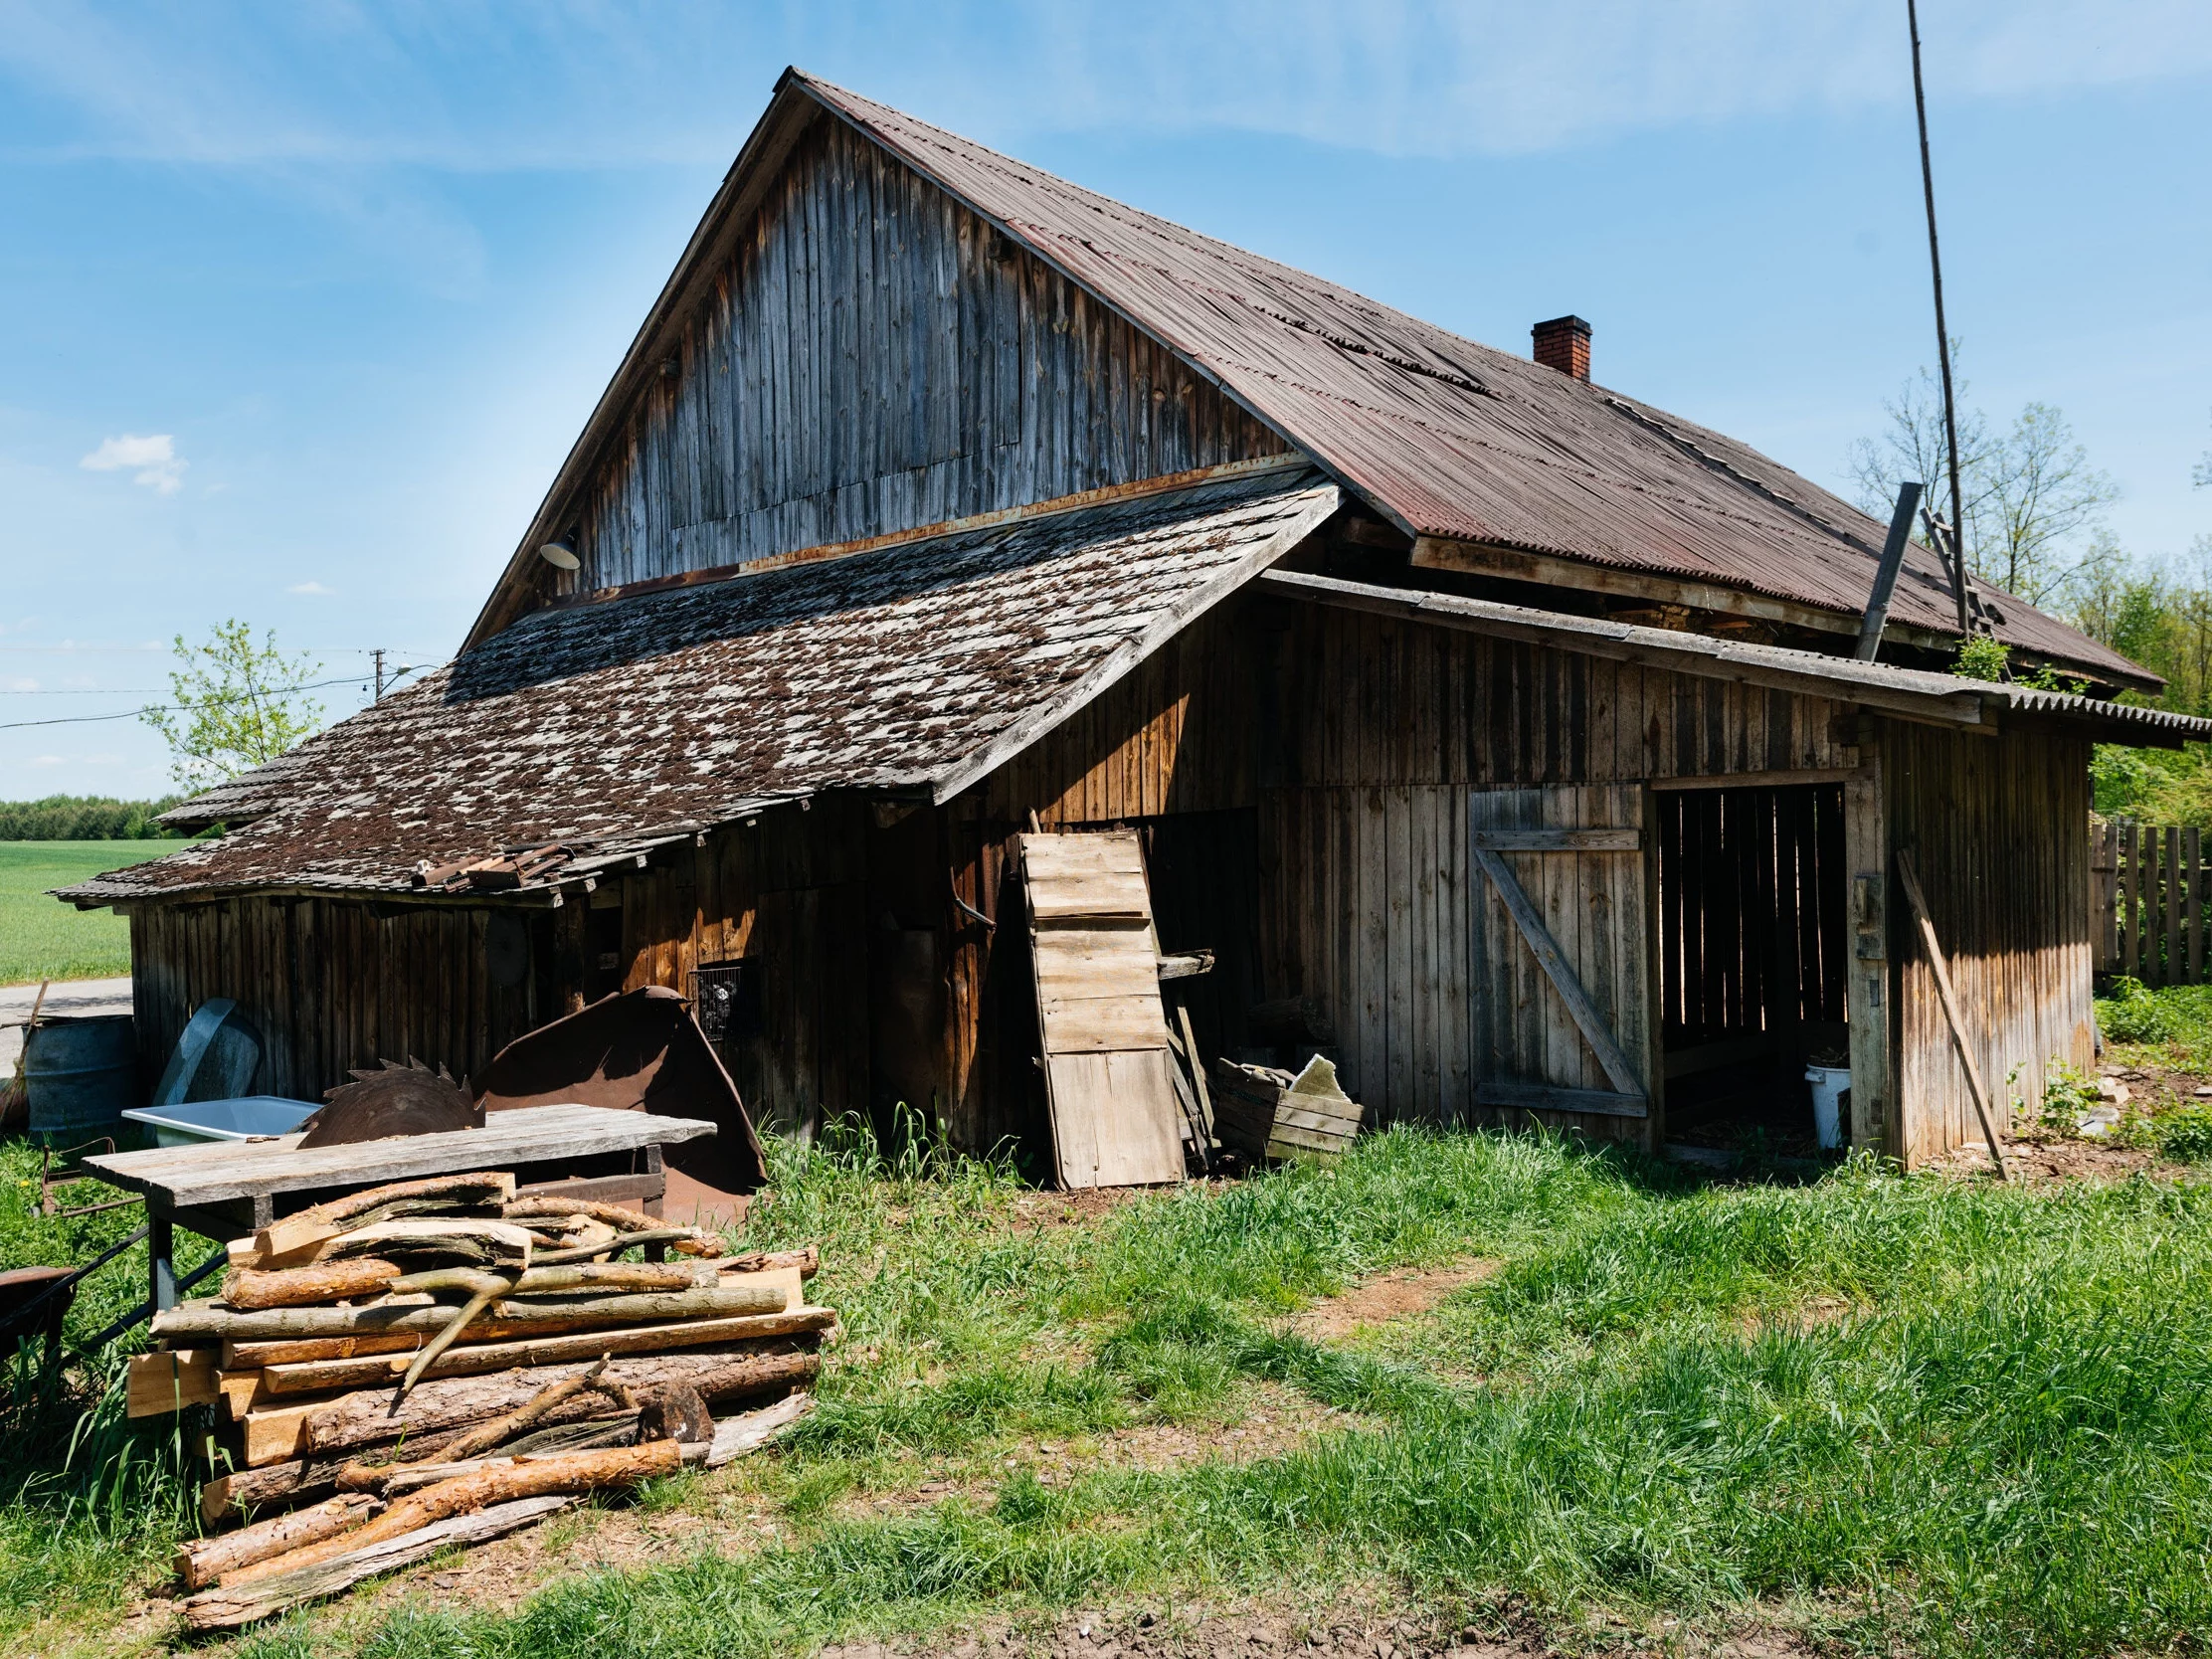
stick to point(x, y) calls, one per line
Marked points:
point(1510, 721)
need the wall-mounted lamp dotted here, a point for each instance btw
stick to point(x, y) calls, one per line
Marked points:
point(560, 556)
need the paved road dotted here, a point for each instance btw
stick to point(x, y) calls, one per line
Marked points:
point(63, 996)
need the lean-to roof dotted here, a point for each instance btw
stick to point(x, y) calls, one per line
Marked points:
point(1912, 692)
point(613, 726)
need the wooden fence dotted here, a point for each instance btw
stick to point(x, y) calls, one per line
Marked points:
point(2147, 894)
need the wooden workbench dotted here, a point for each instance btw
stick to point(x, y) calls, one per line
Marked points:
point(227, 1189)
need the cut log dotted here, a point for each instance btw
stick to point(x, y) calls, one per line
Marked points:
point(278, 1433)
point(552, 1206)
point(684, 1240)
point(393, 1480)
point(202, 1560)
point(170, 1379)
point(751, 1430)
point(586, 1275)
point(536, 1477)
point(298, 1287)
point(294, 1231)
point(378, 1414)
point(807, 1262)
point(485, 1437)
point(293, 1236)
point(675, 1413)
point(211, 1321)
point(303, 1479)
point(227, 1609)
point(470, 1241)
point(790, 1280)
point(445, 1339)
point(470, 1359)
point(723, 1300)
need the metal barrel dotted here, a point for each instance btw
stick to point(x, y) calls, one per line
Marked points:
point(81, 1073)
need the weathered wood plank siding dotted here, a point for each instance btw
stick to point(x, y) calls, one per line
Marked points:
point(1354, 742)
point(1999, 831)
point(335, 983)
point(1304, 779)
point(874, 359)
point(332, 984)
point(1375, 733)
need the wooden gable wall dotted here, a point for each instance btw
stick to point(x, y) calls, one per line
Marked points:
point(874, 358)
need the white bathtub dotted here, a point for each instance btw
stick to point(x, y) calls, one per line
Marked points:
point(244, 1119)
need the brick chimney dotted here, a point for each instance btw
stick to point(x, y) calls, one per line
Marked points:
point(1564, 344)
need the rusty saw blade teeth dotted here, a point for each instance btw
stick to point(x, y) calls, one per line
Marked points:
point(395, 1099)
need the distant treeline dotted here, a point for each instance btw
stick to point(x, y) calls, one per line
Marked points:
point(84, 818)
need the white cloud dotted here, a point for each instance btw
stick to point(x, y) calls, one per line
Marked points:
point(316, 588)
point(47, 760)
point(154, 461)
point(19, 683)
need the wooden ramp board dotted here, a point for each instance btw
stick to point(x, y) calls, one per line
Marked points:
point(1104, 1033)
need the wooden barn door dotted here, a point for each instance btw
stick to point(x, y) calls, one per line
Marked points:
point(1563, 952)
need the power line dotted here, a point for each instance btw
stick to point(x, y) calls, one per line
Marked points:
point(205, 703)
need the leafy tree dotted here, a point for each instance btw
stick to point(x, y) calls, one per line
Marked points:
point(236, 705)
point(2029, 491)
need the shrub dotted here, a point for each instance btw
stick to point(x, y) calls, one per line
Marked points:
point(2134, 1014)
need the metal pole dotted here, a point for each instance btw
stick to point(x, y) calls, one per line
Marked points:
point(1885, 576)
point(378, 654)
point(1942, 334)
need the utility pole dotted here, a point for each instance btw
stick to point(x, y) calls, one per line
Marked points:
point(378, 654)
point(1957, 538)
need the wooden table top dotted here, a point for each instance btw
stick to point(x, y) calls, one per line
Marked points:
point(215, 1171)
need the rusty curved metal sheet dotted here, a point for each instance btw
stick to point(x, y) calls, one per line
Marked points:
point(637, 1052)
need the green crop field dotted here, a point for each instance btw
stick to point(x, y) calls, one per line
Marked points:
point(42, 938)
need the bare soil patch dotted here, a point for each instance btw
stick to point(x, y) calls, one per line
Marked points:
point(1388, 1297)
point(1073, 1209)
point(1365, 1629)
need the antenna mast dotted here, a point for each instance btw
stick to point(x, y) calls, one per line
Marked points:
point(1958, 559)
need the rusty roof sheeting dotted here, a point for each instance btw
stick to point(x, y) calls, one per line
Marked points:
point(607, 728)
point(1453, 438)
point(1880, 685)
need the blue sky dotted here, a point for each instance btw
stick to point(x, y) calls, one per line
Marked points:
point(304, 303)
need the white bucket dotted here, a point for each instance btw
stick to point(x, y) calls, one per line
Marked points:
point(1829, 1083)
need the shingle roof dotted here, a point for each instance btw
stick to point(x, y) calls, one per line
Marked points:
point(1452, 439)
point(614, 725)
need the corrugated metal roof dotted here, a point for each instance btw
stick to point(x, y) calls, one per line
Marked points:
point(607, 727)
point(1453, 438)
point(1875, 684)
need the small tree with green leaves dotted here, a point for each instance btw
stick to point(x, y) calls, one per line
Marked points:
point(235, 705)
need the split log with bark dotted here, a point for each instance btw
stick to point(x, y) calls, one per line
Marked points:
point(202, 1560)
point(376, 1415)
point(227, 1609)
point(213, 1321)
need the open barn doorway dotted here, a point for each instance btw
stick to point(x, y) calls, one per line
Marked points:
point(1752, 956)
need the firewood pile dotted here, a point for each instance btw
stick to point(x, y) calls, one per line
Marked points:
point(435, 1363)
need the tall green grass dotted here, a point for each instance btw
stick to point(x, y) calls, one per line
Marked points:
point(1966, 1418)
point(88, 1499)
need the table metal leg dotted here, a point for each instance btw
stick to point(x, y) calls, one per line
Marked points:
point(651, 1206)
point(161, 1259)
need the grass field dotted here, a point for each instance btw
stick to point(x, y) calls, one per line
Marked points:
point(43, 938)
point(1899, 1414)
